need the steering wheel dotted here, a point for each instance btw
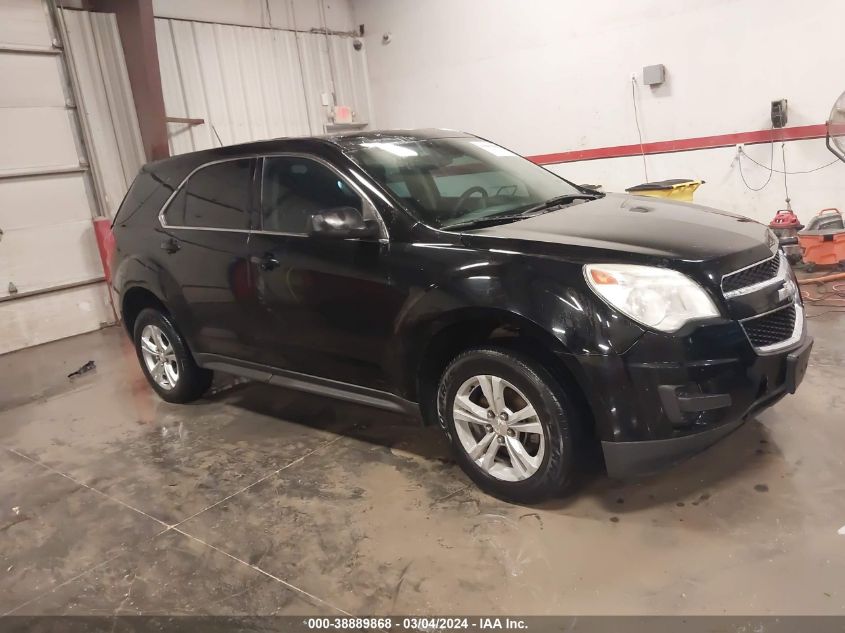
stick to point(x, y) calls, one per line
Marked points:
point(466, 195)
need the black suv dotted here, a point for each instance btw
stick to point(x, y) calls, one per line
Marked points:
point(436, 273)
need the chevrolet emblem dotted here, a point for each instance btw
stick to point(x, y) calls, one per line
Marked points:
point(787, 290)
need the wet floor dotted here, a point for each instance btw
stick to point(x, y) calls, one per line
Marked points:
point(258, 500)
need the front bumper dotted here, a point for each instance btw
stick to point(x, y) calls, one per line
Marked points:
point(626, 459)
point(660, 412)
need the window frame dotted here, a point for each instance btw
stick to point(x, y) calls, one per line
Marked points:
point(162, 214)
point(368, 209)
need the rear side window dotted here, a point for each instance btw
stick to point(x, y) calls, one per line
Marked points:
point(143, 201)
point(215, 197)
point(293, 189)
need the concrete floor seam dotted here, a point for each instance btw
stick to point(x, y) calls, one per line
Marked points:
point(283, 582)
point(174, 528)
point(84, 485)
point(255, 483)
point(64, 583)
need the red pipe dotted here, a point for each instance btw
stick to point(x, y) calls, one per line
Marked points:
point(105, 244)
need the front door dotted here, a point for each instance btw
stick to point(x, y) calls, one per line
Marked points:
point(326, 305)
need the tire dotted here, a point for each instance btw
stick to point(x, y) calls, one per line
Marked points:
point(178, 378)
point(508, 475)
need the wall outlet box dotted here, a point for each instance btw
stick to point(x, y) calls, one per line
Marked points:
point(654, 75)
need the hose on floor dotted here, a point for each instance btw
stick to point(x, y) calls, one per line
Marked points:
point(830, 295)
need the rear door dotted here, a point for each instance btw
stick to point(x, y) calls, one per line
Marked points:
point(326, 306)
point(205, 254)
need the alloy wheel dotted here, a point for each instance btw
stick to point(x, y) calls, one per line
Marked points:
point(159, 357)
point(499, 428)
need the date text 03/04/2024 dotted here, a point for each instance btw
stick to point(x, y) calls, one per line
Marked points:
point(416, 623)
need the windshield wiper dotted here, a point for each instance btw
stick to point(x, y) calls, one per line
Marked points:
point(558, 201)
point(549, 204)
point(490, 220)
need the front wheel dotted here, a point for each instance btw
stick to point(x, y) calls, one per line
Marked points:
point(165, 359)
point(509, 422)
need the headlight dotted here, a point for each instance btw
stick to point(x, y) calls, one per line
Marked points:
point(656, 297)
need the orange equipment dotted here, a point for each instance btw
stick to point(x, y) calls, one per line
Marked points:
point(823, 242)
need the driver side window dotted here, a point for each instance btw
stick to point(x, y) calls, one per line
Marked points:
point(294, 188)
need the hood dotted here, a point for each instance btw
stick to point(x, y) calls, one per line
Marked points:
point(648, 226)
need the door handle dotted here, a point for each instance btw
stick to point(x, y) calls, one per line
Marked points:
point(170, 245)
point(268, 262)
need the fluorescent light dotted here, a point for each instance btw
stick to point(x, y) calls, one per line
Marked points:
point(492, 148)
point(393, 148)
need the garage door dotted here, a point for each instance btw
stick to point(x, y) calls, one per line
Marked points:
point(50, 273)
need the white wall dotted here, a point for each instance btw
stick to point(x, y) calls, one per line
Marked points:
point(551, 76)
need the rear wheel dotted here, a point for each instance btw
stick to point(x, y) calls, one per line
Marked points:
point(165, 359)
point(509, 423)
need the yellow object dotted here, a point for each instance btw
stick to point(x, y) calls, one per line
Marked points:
point(676, 189)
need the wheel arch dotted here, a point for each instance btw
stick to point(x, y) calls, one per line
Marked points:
point(135, 299)
point(463, 329)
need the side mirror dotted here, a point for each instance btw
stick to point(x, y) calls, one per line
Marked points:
point(342, 223)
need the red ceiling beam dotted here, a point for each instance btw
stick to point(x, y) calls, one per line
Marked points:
point(798, 133)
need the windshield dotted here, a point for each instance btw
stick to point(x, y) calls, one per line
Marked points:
point(452, 181)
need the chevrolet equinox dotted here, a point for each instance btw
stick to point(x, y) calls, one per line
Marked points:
point(436, 273)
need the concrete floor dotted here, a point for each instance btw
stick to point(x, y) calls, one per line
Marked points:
point(258, 500)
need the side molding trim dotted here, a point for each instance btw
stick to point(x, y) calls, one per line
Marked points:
point(309, 384)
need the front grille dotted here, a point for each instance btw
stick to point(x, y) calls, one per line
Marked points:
point(755, 274)
point(772, 328)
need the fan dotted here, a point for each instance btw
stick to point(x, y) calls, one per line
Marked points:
point(836, 128)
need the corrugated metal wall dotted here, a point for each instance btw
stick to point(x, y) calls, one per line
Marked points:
point(106, 107)
point(251, 83)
